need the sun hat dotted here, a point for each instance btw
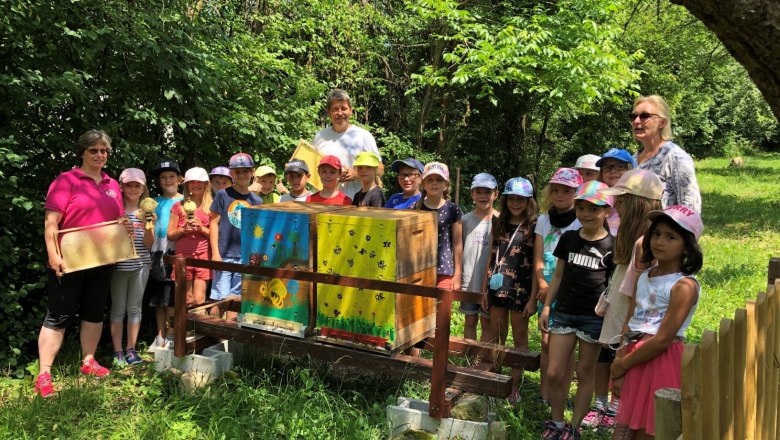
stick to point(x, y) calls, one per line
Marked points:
point(366, 159)
point(436, 168)
point(638, 182)
point(296, 166)
point(166, 165)
point(132, 175)
point(484, 180)
point(264, 170)
point(567, 177)
point(221, 171)
point(589, 191)
point(518, 186)
point(408, 162)
point(331, 161)
point(241, 160)
point(617, 154)
point(196, 174)
point(587, 162)
point(685, 217)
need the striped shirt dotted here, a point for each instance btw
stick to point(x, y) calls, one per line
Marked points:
point(140, 249)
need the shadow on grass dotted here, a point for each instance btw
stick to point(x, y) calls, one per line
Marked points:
point(724, 274)
point(768, 173)
point(732, 215)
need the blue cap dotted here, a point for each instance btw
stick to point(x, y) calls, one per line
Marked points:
point(517, 186)
point(484, 180)
point(241, 160)
point(618, 154)
point(408, 162)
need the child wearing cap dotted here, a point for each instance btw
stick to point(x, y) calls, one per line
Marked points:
point(329, 170)
point(477, 227)
point(435, 197)
point(370, 194)
point(512, 287)
point(225, 226)
point(219, 177)
point(160, 285)
point(129, 278)
point(409, 179)
point(585, 263)
point(265, 184)
point(613, 164)
point(296, 173)
point(190, 231)
point(666, 298)
point(586, 165)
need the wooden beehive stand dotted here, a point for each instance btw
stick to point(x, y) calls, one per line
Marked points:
point(439, 371)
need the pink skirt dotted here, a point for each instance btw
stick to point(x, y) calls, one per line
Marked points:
point(637, 407)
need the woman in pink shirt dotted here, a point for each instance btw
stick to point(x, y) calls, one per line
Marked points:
point(82, 196)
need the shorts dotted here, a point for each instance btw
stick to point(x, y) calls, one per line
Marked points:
point(444, 281)
point(586, 327)
point(196, 273)
point(507, 302)
point(471, 309)
point(76, 296)
point(226, 284)
point(160, 293)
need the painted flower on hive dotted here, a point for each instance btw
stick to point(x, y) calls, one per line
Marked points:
point(278, 236)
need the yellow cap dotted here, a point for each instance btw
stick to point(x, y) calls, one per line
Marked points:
point(264, 171)
point(366, 159)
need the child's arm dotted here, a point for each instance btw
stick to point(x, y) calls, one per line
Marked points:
point(555, 282)
point(174, 233)
point(457, 253)
point(530, 307)
point(541, 283)
point(214, 236)
point(684, 296)
point(149, 233)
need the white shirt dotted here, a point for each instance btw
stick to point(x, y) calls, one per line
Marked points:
point(346, 146)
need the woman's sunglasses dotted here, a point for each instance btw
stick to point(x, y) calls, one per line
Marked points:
point(644, 116)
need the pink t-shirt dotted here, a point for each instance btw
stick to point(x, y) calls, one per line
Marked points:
point(81, 201)
point(192, 244)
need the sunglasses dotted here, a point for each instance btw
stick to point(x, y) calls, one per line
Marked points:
point(616, 167)
point(644, 116)
point(409, 175)
point(95, 151)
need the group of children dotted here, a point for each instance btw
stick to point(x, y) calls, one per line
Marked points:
point(607, 271)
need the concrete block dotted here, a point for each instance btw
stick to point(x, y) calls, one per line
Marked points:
point(222, 355)
point(413, 414)
point(214, 361)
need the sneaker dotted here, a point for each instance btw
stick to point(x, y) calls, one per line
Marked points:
point(570, 433)
point(592, 420)
point(551, 431)
point(607, 422)
point(43, 385)
point(118, 362)
point(132, 358)
point(93, 368)
point(514, 398)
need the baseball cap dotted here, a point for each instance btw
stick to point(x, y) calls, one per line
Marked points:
point(518, 186)
point(436, 168)
point(241, 160)
point(331, 161)
point(264, 170)
point(589, 191)
point(685, 217)
point(567, 177)
point(408, 162)
point(484, 180)
point(366, 159)
point(296, 166)
point(221, 171)
point(196, 174)
point(618, 154)
point(638, 182)
point(166, 165)
point(587, 162)
point(132, 175)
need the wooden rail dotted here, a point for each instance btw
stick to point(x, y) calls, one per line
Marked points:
point(438, 370)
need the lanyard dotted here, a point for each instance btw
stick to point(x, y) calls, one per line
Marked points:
point(509, 244)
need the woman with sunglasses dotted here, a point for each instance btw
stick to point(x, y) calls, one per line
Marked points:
point(82, 196)
point(652, 127)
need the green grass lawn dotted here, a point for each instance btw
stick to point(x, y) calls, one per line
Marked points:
point(302, 399)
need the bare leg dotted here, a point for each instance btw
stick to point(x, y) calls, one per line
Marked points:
point(543, 365)
point(586, 378)
point(90, 336)
point(199, 292)
point(520, 338)
point(561, 347)
point(49, 344)
point(470, 327)
point(116, 335)
point(161, 319)
point(132, 334)
point(487, 329)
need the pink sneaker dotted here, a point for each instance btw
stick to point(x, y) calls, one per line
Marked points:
point(93, 368)
point(593, 419)
point(43, 385)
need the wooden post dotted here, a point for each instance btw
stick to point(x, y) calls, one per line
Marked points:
point(740, 356)
point(773, 271)
point(668, 414)
point(691, 393)
point(180, 307)
point(710, 395)
point(771, 366)
point(750, 371)
point(726, 378)
point(761, 368)
point(438, 407)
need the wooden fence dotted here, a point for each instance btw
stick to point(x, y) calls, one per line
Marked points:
point(730, 380)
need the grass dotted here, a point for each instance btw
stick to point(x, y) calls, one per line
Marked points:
point(302, 399)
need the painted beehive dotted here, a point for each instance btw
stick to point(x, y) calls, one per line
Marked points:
point(280, 235)
point(382, 244)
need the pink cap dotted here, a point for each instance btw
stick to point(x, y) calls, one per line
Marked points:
point(332, 161)
point(592, 192)
point(132, 175)
point(567, 177)
point(436, 168)
point(687, 218)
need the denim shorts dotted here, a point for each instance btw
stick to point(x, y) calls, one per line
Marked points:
point(226, 284)
point(473, 309)
point(586, 327)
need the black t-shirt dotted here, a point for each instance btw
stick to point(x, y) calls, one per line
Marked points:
point(587, 268)
point(515, 261)
point(374, 197)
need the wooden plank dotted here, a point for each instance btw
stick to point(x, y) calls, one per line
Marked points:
point(726, 378)
point(761, 367)
point(773, 385)
point(691, 393)
point(668, 415)
point(180, 308)
point(504, 356)
point(750, 371)
point(200, 343)
point(466, 379)
point(437, 405)
point(740, 359)
point(710, 395)
point(208, 305)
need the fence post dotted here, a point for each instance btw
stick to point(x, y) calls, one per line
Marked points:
point(691, 393)
point(726, 379)
point(180, 307)
point(668, 414)
point(762, 393)
point(773, 271)
point(710, 395)
point(437, 402)
point(740, 352)
point(773, 302)
point(750, 371)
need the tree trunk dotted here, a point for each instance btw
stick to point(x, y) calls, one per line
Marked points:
point(750, 30)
